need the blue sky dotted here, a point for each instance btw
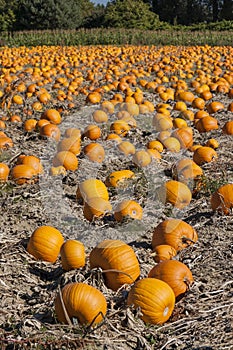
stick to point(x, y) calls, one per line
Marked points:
point(103, 2)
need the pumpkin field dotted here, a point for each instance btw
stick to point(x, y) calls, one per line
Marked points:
point(116, 183)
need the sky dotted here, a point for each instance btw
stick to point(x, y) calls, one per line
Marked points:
point(102, 2)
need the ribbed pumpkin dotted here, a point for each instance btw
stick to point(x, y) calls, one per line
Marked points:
point(81, 301)
point(155, 144)
point(52, 115)
point(92, 188)
point(100, 116)
point(66, 159)
point(172, 144)
point(176, 274)
point(163, 252)
point(94, 152)
point(117, 178)
point(72, 255)
point(23, 173)
point(45, 243)
point(176, 193)
point(51, 131)
point(204, 155)
point(174, 232)
point(96, 207)
point(5, 142)
point(222, 199)
point(128, 209)
point(155, 298)
point(119, 257)
point(4, 172)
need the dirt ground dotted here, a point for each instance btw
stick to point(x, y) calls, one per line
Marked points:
point(202, 319)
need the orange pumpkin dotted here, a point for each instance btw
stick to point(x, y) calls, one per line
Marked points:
point(119, 261)
point(176, 193)
point(222, 199)
point(45, 243)
point(72, 255)
point(155, 299)
point(174, 232)
point(81, 301)
point(176, 274)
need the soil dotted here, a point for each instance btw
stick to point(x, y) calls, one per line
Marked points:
point(202, 318)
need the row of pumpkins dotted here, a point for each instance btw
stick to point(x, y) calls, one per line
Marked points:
point(155, 295)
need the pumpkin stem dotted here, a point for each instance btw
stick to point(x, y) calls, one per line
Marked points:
point(88, 328)
point(64, 308)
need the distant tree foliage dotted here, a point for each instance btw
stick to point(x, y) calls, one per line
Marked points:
point(130, 14)
point(140, 14)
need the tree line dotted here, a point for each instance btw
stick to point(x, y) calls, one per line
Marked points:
point(17, 15)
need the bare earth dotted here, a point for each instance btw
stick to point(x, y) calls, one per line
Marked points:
point(202, 319)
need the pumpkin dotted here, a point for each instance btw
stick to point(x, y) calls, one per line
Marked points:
point(214, 107)
point(92, 188)
point(176, 193)
point(117, 178)
point(52, 115)
point(222, 199)
point(117, 257)
point(23, 173)
point(32, 161)
point(172, 144)
point(155, 144)
point(120, 127)
point(155, 299)
point(128, 209)
point(162, 122)
point(163, 252)
point(204, 155)
point(96, 207)
point(187, 169)
point(30, 125)
point(81, 301)
point(67, 159)
point(71, 144)
point(114, 137)
point(174, 232)
point(126, 147)
point(73, 132)
point(185, 136)
point(228, 128)
point(107, 107)
point(206, 124)
point(176, 274)
point(100, 116)
point(51, 131)
point(45, 243)
point(213, 143)
point(5, 142)
point(95, 152)
point(92, 132)
point(58, 170)
point(72, 255)
point(94, 97)
point(154, 154)
point(4, 172)
point(141, 158)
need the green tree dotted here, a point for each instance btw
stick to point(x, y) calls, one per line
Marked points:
point(7, 14)
point(53, 14)
point(130, 14)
